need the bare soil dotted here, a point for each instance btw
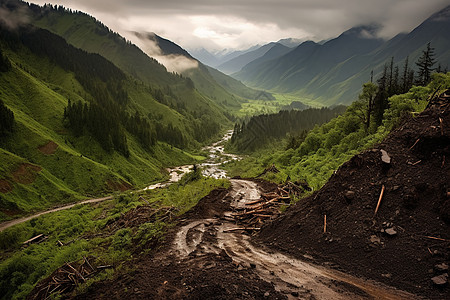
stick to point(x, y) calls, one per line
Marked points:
point(201, 259)
point(49, 148)
point(118, 185)
point(26, 173)
point(415, 205)
point(5, 186)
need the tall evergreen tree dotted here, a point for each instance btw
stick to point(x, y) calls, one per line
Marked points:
point(425, 64)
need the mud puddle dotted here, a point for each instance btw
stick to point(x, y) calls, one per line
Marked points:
point(294, 278)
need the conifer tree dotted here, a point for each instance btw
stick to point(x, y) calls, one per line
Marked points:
point(425, 64)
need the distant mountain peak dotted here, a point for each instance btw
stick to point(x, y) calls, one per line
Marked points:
point(364, 31)
point(442, 15)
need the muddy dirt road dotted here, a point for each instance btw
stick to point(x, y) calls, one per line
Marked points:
point(201, 259)
point(290, 277)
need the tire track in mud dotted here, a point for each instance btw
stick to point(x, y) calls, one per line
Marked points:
point(291, 277)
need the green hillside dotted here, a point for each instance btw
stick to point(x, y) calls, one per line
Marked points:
point(45, 162)
point(85, 32)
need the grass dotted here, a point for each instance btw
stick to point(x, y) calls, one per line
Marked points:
point(37, 91)
point(83, 232)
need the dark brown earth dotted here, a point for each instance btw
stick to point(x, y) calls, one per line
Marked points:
point(118, 185)
point(5, 186)
point(26, 173)
point(161, 275)
point(49, 148)
point(415, 204)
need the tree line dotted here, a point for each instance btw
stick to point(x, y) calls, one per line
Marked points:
point(373, 100)
point(261, 129)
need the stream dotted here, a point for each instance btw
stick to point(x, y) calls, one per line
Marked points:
point(210, 167)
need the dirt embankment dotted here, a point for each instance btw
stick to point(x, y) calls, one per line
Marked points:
point(407, 242)
point(204, 257)
point(193, 274)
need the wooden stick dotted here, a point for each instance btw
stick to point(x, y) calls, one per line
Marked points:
point(263, 216)
point(255, 202)
point(379, 200)
point(436, 238)
point(441, 122)
point(430, 251)
point(241, 228)
point(325, 224)
point(414, 144)
point(417, 162)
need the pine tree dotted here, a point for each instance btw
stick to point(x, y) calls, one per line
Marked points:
point(425, 64)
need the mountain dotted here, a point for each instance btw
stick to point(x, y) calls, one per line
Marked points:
point(275, 52)
point(92, 119)
point(235, 64)
point(290, 42)
point(238, 88)
point(305, 63)
point(222, 89)
point(333, 72)
point(205, 57)
point(219, 57)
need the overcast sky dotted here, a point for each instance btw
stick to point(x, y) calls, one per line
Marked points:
point(239, 24)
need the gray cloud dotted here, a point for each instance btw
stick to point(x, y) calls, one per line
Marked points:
point(241, 23)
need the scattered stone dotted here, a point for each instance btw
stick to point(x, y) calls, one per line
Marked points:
point(375, 240)
point(349, 195)
point(390, 231)
point(266, 294)
point(442, 267)
point(440, 280)
point(385, 158)
point(387, 275)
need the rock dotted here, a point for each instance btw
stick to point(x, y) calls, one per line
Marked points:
point(385, 158)
point(375, 240)
point(441, 267)
point(440, 280)
point(390, 231)
point(295, 294)
point(266, 294)
point(349, 195)
point(387, 275)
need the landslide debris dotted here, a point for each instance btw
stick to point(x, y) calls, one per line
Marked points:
point(408, 236)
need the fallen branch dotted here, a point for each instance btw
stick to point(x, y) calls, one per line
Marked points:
point(255, 202)
point(417, 162)
point(414, 144)
point(241, 228)
point(379, 200)
point(436, 238)
point(324, 223)
point(441, 122)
